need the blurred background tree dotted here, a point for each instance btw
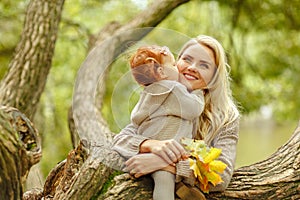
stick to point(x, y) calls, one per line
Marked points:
point(261, 39)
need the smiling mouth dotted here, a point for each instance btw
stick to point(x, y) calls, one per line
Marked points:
point(190, 77)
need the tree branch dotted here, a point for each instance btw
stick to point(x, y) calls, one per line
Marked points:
point(31, 63)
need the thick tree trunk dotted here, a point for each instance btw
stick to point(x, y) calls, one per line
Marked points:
point(25, 81)
point(20, 148)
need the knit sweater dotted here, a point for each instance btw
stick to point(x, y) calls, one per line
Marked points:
point(167, 110)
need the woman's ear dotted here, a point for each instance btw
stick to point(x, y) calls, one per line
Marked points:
point(161, 73)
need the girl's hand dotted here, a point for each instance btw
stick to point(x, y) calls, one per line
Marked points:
point(144, 163)
point(170, 150)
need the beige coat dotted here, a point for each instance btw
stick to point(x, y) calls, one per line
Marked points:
point(167, 110)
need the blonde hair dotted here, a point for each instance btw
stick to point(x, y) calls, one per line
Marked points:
point(220, 109)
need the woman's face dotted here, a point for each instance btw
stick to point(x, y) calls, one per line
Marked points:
point(196, 66)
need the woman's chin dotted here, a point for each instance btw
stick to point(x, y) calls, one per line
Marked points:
point(184, 81)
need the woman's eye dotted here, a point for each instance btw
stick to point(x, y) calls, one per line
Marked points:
point(186, 59)
point(204, 66)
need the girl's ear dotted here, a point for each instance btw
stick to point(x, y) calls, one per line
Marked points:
point(161, 73)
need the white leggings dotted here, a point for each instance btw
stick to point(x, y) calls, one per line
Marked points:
point(164, 185)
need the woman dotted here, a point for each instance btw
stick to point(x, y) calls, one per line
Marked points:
point(202, 65)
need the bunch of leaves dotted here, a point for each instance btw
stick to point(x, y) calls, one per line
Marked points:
point(204, 163)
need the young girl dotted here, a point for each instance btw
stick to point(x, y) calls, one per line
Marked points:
point(165, 110)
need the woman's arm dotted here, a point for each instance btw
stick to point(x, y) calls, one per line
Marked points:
point(227, 141)
point(145, 163)
point(127, 143)
point(170, 150)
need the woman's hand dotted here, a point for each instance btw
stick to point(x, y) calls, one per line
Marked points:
point(170, 150)
point(170, 168)
point(144, 163)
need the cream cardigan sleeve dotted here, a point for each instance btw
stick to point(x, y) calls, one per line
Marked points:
point(127, 142)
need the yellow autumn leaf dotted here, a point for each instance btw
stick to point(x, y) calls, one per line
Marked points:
point(195, 155)
point(217, 166)
point(204, 186)
point(203, 167)
point(214, 178)
point(212, 155)
point(194, 167)
point(204, 164)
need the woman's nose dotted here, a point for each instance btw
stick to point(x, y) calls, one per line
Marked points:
point(192, 67)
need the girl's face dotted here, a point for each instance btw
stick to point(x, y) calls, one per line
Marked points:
point(169, 68)
point(196, 67)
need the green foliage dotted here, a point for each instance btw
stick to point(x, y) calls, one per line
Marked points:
point(121, 95)
point(11, 20)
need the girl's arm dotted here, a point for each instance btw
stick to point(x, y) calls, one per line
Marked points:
point(191, 104)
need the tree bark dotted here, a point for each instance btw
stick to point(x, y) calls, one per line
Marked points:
point(20, 148)
point(24, 83)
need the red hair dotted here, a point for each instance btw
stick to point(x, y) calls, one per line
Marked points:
point(144, 64)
